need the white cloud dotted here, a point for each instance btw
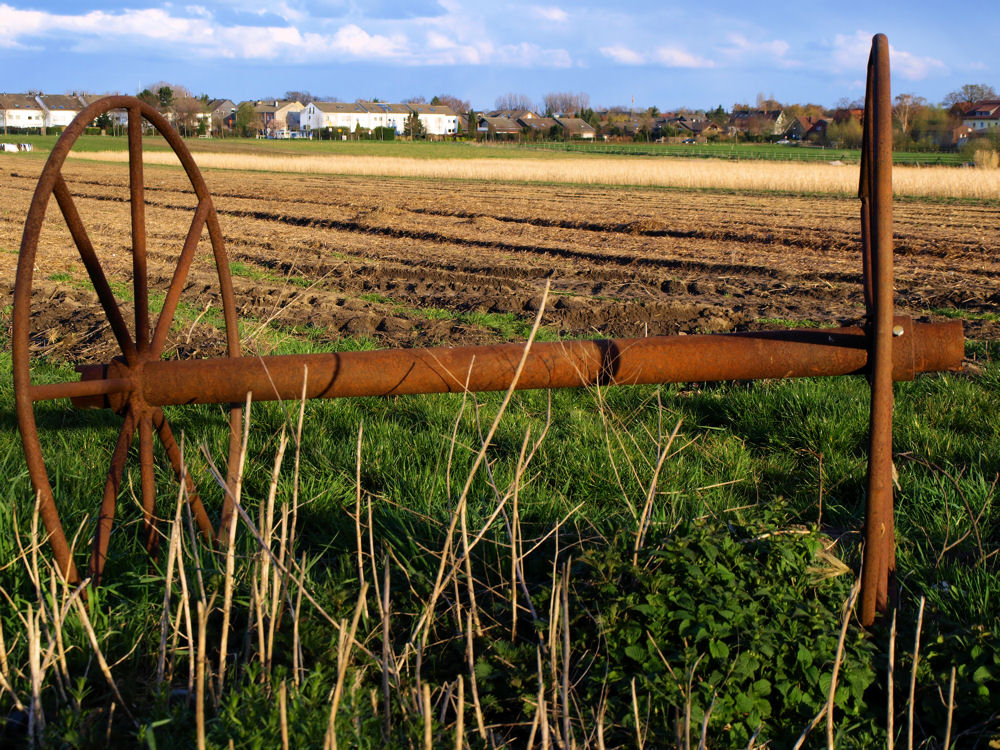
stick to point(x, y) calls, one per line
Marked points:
point(851, 51)
point(623, 55)
point(196, 32)
point(550, 13)
point(739, 46)
point(675, 57)
point(913, 67)
point(528, 55)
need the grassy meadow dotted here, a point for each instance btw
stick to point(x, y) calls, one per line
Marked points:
point(644, 567)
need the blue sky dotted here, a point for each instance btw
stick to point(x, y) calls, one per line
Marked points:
point(694, 54)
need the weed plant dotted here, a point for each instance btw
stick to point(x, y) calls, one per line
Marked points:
point(623, 567)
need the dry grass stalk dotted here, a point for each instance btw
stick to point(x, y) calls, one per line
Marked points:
point(564, 591)
point(428, 718)
point(36, 716)
point(600, 170)
point(890, 708)
point(640, 741)
point(283, 713)
point(270, 579)
point(460, 715)
point(913, 675)
point(986, 158)
point(440, 582)
point(172, 551)
point(357, 514)
point(58, 618)
point(384, 606)
point(470, 583)
point(470, 659)
point(951, 710)
point(99, 655)
point(345, 647)
point(647, 508)
point(199, 700)
point(848, 610)
point(298, 668)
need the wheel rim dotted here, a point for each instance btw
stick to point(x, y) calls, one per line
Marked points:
point(143, 343)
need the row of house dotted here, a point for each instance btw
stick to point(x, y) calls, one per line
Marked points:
point(275, 118)
point(514, 123)
point(29, 111)
point(289, 118)
point(437, 119)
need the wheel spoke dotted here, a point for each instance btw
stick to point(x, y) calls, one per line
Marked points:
point(166, 436)
point(93, 265)
point(180, 277)
point(105, 519)
point(140, 280)
point(147, 467)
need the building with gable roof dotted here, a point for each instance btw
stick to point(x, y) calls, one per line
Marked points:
point(982, 115)
point(20, 111)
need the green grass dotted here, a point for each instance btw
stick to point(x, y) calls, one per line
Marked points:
point(731, 600)
point(951, 312)
point(297, 147)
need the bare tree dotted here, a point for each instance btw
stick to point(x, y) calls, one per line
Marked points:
point(187, 110)
point(904, 109)
point(846, 102)
point(566, 102)
point(968, 94)
point(416, 100)
point(514, 102)
point(167, 94)
point(456, 104)
point(302, 97)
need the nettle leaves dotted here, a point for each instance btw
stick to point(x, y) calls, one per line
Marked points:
point(711, 621)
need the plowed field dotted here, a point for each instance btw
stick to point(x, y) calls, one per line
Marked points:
point(411, 262)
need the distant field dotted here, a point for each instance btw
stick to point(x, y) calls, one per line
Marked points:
point(410, 149)
point(942, 182)
point(745, 151)
point(467, 150)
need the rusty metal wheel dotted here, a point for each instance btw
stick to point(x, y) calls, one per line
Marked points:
point(120, 384)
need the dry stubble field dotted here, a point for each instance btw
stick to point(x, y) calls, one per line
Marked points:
point(381, 258)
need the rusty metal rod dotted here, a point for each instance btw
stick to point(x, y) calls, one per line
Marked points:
point(878, 564)
point(741, 356)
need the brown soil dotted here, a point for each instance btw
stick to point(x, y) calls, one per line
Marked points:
point(368, 257)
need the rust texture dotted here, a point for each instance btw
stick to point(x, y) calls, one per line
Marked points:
point(878, 563)
point(567, 364)
point(138, 383)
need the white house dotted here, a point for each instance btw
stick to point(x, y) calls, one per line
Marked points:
point(437, 119)
point(319, 115)
point(59, 109)
point(20, 111)
point(982, 115)
point(385, 115)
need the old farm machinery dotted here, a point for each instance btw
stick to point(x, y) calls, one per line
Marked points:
point(140, 382)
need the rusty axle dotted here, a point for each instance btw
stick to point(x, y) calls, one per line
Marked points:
point(807, 352)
